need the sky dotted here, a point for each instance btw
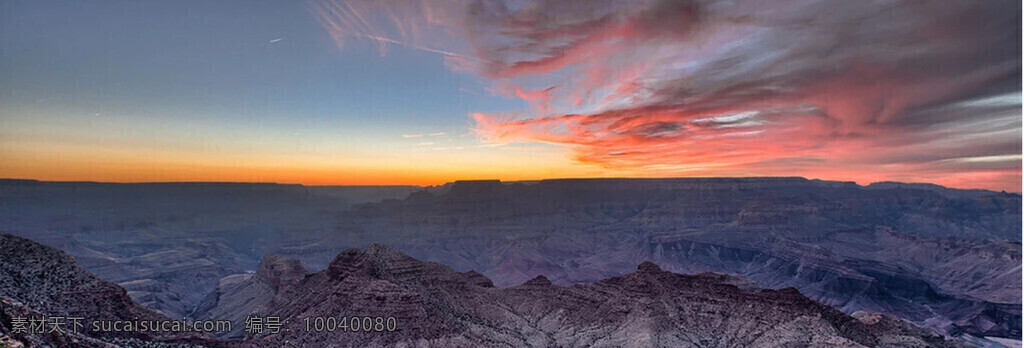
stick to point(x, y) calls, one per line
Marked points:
point(424, 92)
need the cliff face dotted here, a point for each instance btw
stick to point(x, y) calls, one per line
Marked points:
point(239, 295)
point(434, 305)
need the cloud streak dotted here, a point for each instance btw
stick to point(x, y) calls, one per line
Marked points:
point(866, 91)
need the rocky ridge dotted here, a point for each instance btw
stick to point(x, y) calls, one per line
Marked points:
point(38, 281)
point(435, 306)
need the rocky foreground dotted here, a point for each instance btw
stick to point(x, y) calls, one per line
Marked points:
point(38, 282)
point(435, 306)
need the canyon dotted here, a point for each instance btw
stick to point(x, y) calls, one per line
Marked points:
point(941, 258)
point(432, 305)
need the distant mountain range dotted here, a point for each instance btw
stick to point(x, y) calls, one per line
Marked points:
point(942, 258)
point(428, 304)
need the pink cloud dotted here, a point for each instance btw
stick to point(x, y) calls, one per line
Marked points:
point(909, 91)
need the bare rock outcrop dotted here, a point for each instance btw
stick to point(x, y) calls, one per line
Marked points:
point(435, 306)
point(40, 282)
point(240, 295)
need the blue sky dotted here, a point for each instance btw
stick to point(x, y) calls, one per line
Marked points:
point(377, 92)
point(225, 84)
point(126, 58)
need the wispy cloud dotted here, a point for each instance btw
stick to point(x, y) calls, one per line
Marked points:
point(345, 20)
point(408, 136)
point(902, 90)
point(386, 40)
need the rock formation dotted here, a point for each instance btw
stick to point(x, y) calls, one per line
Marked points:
point(435, 306)
point(40, 282)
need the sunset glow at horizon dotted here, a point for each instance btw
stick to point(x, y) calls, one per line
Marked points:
point(368, 92)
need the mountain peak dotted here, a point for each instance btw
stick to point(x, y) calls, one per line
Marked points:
point(648, 267)
point(539, 280)
point(383, 252)
point(350, 261)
